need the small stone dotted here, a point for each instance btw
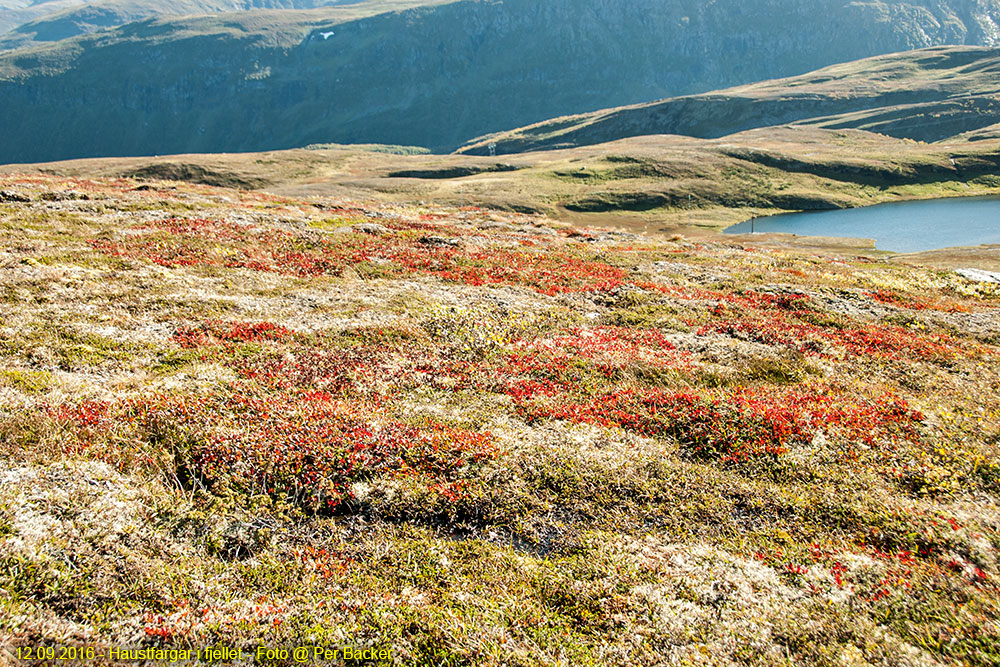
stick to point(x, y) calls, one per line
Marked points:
point(438, 241)
point(7, 196)
point(370, 228)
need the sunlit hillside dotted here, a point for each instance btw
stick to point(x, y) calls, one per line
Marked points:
point(464, 436)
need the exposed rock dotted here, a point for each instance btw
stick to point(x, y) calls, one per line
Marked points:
point(439, 241)
point(979, 276)
point(370, 228)
point(68, 195)
point(7, 196)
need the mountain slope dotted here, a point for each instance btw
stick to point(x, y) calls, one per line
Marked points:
point(430, 76)
point(15, 12)
point(60, 14)
point(928, 94)
point(64, 23)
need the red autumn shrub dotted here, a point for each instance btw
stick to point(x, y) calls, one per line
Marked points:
point(877, 341)
point(304, 447)
point(216, 332)
point(742, 424)
point(192, 242)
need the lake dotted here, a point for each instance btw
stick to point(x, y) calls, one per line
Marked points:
point(911, 226)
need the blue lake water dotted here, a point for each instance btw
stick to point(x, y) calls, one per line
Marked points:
point(911, 226)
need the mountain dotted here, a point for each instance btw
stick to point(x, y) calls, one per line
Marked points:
point(57, 16)
point(432, 76)
point(927, 95)
point(57, 20)
point(15, 12)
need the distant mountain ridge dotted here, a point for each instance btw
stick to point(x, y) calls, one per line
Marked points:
point(56, 20)
point(435, 76)
point(105, 13)
point(16, 12)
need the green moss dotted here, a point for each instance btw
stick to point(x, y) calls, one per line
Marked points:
point(642, 310)
point(32, 382)
point(335, 222)
point(51, 581)
point(172, 361)
point(71, 348)
point(987, 180)
point(778, 371)
point(90, 350)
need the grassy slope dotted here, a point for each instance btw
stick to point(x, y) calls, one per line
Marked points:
point(228, 418)
point(928, 94)
point(982, 134)
point(645, 183)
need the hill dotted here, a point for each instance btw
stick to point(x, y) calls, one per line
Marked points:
point(56, 22)
point(927, 95)
point(52, 20)
point(464, 437)
point(16, 12)
point(431, 76)
point(649, 183)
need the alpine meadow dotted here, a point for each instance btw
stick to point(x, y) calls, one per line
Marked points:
point(496, 333)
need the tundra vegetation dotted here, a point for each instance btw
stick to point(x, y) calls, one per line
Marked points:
point(229, 418)
point(648, 183)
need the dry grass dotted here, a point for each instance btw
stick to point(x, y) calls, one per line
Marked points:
point(657, 185)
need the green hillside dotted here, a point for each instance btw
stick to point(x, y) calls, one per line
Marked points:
point(927, 94)
point(430, 76)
